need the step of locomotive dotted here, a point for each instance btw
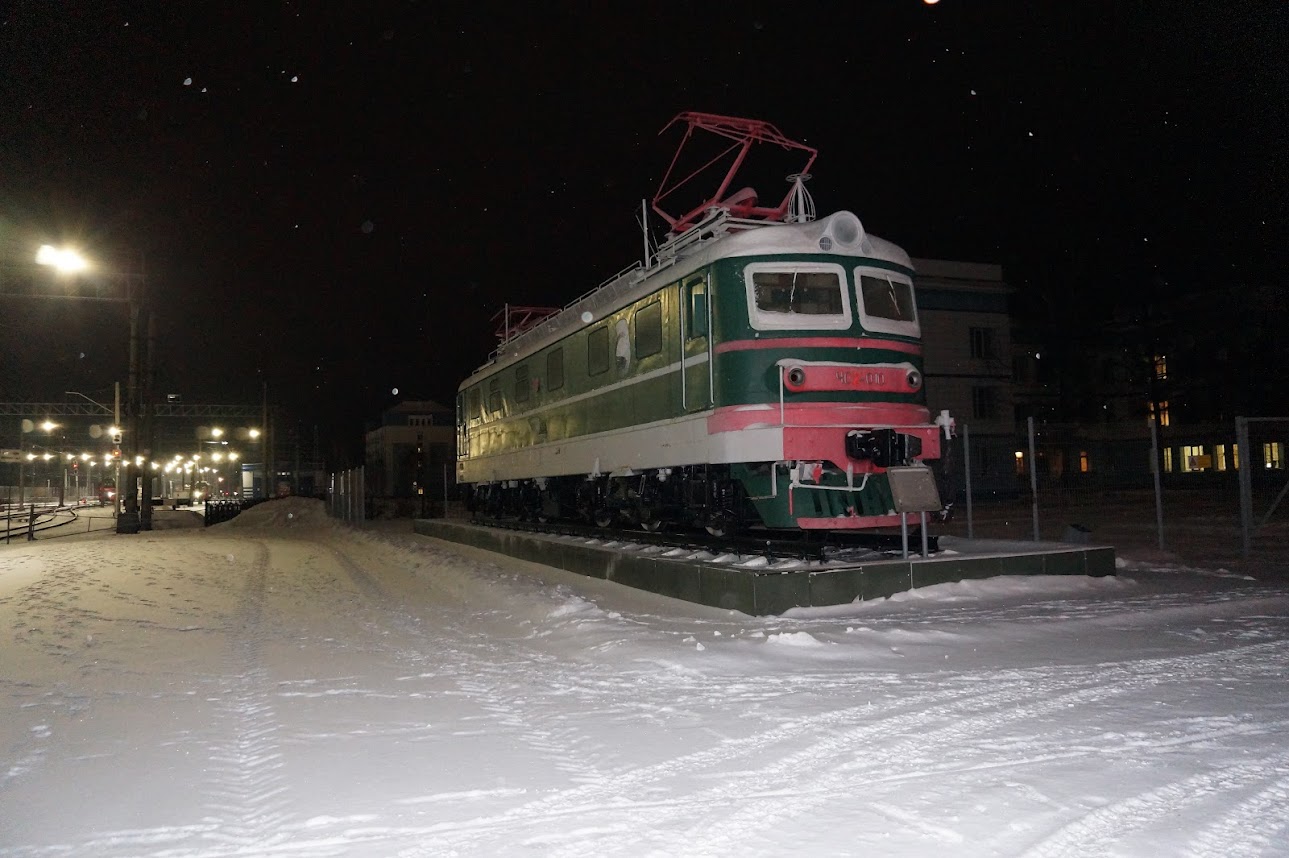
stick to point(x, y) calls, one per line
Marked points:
point(753, 587)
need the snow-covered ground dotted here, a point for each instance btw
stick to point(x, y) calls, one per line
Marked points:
point(282, 685)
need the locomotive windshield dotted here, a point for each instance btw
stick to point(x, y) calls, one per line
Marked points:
point(802, 296)
point(886, 301)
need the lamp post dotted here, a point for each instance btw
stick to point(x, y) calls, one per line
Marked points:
point(138, 516)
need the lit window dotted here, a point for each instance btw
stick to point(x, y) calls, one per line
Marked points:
point(1160, 409)
point(1194, 459)
point(1161, 368)
point(1168, 460)
point(1020, 463)
point(1273, 456)
point(1085, 464)
point(1235, 457)
point(1219, 457)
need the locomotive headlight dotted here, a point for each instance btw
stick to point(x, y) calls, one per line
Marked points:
point(845, 229)
point(914, 379)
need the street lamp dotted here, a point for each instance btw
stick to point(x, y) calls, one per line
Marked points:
point(138, 511)
point(64, 260)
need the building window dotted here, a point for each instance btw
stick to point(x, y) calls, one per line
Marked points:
point(494, 394)
point(982, 343)
point(984, 403)
point(1219, 457)
point(1168, 460)
point(1161, 368)
point(1194, 459)
point(523, 387)
point(984, 461)
point(1085, 464)
point(597, 351)
point(649, 330)
point(1235, 457)
point(1273, 456)
point(555, 369)
point(1020, 463)
point(1159, 410)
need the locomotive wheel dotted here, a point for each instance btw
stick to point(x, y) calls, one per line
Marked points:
point(648, 520)
point(720, 523)
point(602, 517)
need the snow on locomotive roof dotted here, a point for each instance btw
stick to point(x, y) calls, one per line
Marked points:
point(720, 237)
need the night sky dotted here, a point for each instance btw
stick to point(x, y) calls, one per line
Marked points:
point(335, 198)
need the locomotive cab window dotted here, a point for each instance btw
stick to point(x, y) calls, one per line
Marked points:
point(696, 309)
point(597, 351)
point(797, 296)
point(494, 394)
point(555, 369)
point(886, 302)
point(522, 385)
point(649, 330)
point(473, 402)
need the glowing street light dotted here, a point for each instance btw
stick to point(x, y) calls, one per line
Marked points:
point(64, 260)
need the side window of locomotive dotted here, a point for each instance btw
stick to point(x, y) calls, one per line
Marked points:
point(696, 310)
point(555, 369)
point(494, 394)
point(649, 330)
point(522, 384)
point(597, 351)
point(886, 303)
point(802, 296)
point(473, 403)
point(622, 346)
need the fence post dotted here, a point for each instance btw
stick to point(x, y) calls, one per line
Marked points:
point(966, 455)
point(1033, 475)
point(1154, 469)
point(1244, 456)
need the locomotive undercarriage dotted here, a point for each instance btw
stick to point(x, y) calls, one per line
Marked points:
point(707, 496)
point(723, 499)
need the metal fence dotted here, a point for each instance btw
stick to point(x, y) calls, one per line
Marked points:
point(347, 496)
point(1085, 482)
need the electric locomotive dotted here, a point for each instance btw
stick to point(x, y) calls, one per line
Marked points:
point(762, 368)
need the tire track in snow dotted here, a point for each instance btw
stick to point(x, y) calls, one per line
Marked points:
point(1247, 828)
point(606, 791)
point(1095, 832)
point(482, 680)
point(248, 799)
point(795, 786)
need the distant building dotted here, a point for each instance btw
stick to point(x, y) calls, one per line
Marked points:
point(968, 367)
point(412, 453)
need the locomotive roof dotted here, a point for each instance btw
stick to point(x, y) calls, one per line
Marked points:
point(719, 237)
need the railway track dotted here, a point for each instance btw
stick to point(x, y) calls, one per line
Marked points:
point(19, 523)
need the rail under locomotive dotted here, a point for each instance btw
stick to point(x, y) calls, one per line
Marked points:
point(762, 369)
